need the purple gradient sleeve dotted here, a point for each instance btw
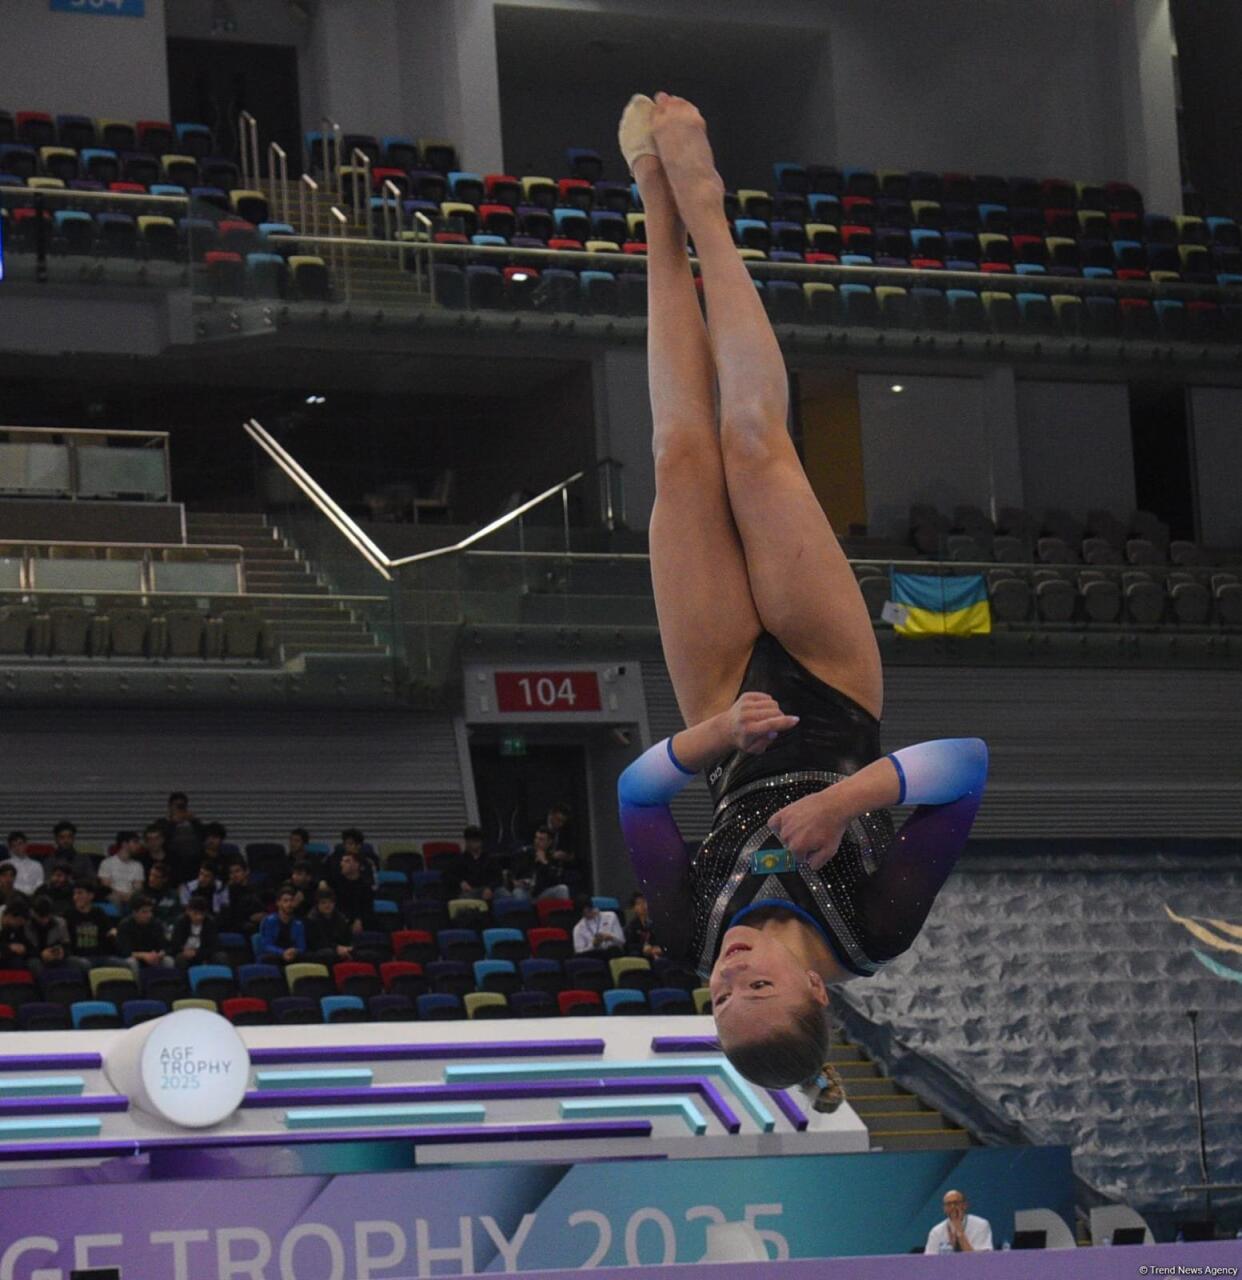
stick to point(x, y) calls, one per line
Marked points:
point(657, 850)
point(896, 899)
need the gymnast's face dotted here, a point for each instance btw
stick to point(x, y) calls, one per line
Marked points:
point(758, 986)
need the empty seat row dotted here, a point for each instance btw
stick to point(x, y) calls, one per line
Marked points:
point(106, 166)
point(131, 632)
point(155, 137)
point(1132, 597)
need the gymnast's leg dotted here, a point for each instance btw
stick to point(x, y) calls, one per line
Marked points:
point(708, 621)
point(802, 585)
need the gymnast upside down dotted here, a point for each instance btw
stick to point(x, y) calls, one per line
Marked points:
point(802, 881)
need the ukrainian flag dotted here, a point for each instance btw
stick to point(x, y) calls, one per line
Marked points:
point(941, 606)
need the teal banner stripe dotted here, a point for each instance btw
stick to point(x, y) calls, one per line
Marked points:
point(50, 1127)
point(43, 1087)
point(716, 1066)
point(940, 595)
point(609, 1108)
point(318, 1078)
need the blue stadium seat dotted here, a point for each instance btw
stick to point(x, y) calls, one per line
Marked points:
point(448, 285)
point(571, 224)
point(1036, 313)
point(542, 975)
point(212, 981)
point(532, 1004)
point(624, 1000)
point(485, 288)
point(94, 1015)
point(135, 1011)
point(1171, 318)
point(496, 975)
point(343, 1009)
point(435, 1007)
point(296, 1011)
point(965, 309)
point(785, 302)
point(670, 1001)
point(74, 231)
point(858, 305)
point(265, 275)
point(505, 944)
point(452, 977)
point(599, 292)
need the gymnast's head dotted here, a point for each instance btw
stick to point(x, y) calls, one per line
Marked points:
point(770, 1006)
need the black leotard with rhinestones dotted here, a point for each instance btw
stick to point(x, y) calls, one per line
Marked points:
point(869, 900)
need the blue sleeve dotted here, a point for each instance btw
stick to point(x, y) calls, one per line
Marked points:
point(946, 779)
point(657, 850)
point(266, 931)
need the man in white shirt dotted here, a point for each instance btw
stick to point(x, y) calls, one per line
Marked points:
point(29, 870)
point(598, 932)
point(960, 1232)
point(122, 874)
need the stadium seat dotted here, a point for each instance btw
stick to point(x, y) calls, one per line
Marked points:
point(310, 980)
point(631, 971)
point(212, 981)
point(343, 1009)
point(247, 1011)
point(821, 302)
point(94, 1015)
point(512, 913)
point(587, 973)
point(114, 985)
point(36, 1015)
point(17, 987)
point(355, 978)
point(168, 985)
point(438, 1007)
point(261, 982)
point(532, 1004)
point(296, 1011)
point(496, 975)
point(454, 977)
point(858, 305)
point(460, 944)
point(391, 1008)
point(485, 1004)
point(542, 975)
point(403, 978)
point(579, 1004)
point(309, 278)
point(670, 1001)
point(624, 1000)
point(73, 231)
point(965, 310)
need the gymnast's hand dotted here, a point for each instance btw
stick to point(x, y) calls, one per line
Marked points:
point(811, 828)
point(754, 720)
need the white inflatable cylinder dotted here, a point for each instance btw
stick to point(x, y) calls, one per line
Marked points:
point(189, 1068)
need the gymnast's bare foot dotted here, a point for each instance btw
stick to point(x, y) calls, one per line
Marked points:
point(680, 136)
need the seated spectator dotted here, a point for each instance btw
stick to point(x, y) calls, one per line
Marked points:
point(477, 872)
point(282, 934)
point(329, 935)
point(183, 836)
point(354, 896)
point(640, 937)
point(140, 939)
point(91, 935)
point(214, 834)
point(598, 933)
point(299, 838)
point(8, 879)
point(562, 833)
point(206, 886)
point(547, 878)
point(352, 842)
point(122, 874)
point(29, 871)
point(195, 938)
point(46, 934)
point(302, 877)
point(59, 889)
point(15, 948)
point(167, 900)
point(154, 849)
point(80, 865)
point(241, 908)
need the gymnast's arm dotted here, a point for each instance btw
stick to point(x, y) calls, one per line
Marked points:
point(945, 779)
point(657, 850)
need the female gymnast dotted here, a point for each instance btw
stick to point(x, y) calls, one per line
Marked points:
point(802, 880)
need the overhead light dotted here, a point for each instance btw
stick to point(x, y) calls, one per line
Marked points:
point(316, 399)
point(519, 276)
point(897, 388)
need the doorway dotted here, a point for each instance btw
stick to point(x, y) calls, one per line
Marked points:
point(212, 81)
point(515, 791)
point(1162, 469)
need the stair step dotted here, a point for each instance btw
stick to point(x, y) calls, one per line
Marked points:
point(919, 1140)
point(881, 1122)
point(885, 1103)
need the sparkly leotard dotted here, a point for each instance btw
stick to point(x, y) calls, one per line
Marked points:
point(869, 900)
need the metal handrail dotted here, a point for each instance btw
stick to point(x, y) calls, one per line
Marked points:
point(87, 197)
point(337, 516)
point(278, 180)
point(308, 188)
point(333, 153)
point(248, 149)
point(199, 595)
point(87, 431)
point(360, 183)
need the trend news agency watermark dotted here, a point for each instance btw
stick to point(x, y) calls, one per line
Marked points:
point(1181, 1269)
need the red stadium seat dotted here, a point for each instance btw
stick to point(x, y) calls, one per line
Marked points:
point(415, 945)
point(246, 1011)
point(550, 944)
point(579, 1004)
